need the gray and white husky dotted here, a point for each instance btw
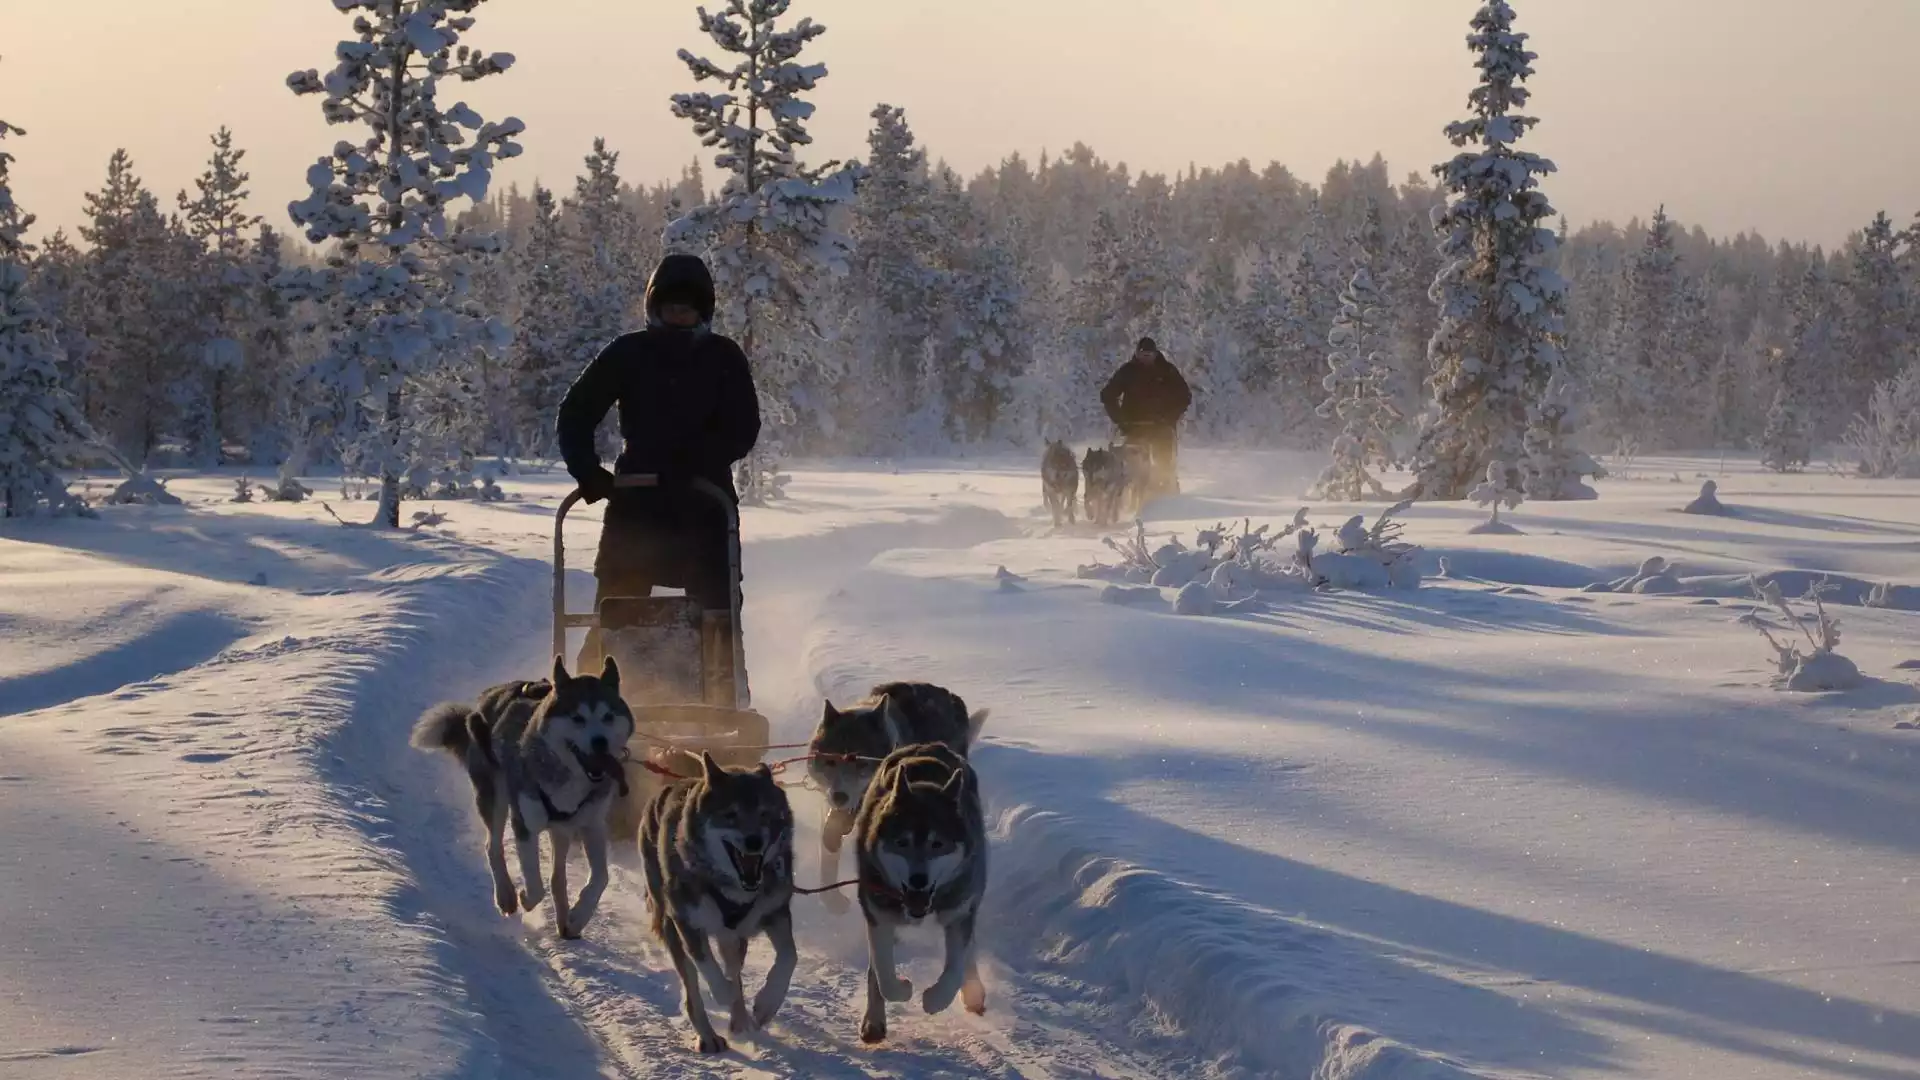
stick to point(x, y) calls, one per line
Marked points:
point(1060, 482)
point(921, 844)
point(849, 744)
point(718, 852)
point(1106, 484)
point(545, 756)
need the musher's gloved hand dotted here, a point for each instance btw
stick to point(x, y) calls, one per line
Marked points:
point(596, 485)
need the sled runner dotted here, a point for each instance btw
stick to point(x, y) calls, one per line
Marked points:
point(680, 672)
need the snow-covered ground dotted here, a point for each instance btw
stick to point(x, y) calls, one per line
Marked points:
point(1497, 826)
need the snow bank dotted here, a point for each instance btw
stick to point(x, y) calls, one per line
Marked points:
point(1225, 971)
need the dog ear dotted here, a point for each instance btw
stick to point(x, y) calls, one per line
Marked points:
point(956, 784)
point(893, 720)
point(710, 770)
point(559, 671)
point(610, 675)
point(830, 714)
point(765, 771)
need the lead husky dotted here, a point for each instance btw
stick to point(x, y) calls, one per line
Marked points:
point(1060, 482)
point(718, 853)
point(920, 840)
point(545, 755)
point(847, 747)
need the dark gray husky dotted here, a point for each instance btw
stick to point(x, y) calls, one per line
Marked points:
point(1060, 482)
point(545, 756)
point(849, 743)
point(718, 852)
point(920, 840)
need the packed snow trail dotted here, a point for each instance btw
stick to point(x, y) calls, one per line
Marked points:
point(237, 867)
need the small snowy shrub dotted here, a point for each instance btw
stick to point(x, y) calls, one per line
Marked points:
point(1818, 668)
point(242, 491)
point(1886, 439)
point(1498, 489)
point(1363, 558)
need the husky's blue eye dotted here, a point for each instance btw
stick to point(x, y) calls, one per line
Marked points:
point(579, 720)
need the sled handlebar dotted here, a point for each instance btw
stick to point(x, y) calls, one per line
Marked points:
point(707, 488)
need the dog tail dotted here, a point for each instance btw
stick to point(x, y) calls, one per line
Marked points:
point(443, 727)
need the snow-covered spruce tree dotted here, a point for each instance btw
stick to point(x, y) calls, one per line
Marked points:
point(777, 224)
point(1878, 313)
point(602, 244)
point(1785, 445)
point(38, 421)
point(1637, 368)
point(1359, 394)
point(1499, 298)
point(395, 289)
point(540, 360)
point(57, 284)
point(1300, 363)
point(139, 311)
point(893, 280)
point(1556, 468)
point(1812, 364)
point(217, 219)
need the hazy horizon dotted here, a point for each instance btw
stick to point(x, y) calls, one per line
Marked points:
point(1732, 113)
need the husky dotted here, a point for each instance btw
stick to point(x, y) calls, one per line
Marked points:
point(921, 843)
point(1060, 482)
point(849, 744)
point(545, 756)
point(718, 853)
point(1106, 484)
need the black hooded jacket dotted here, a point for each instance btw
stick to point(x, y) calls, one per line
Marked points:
point(1149, 394)
point(686, 397)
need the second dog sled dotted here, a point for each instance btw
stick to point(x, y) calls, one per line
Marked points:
point(680, 668)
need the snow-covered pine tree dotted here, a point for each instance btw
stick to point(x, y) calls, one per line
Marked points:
point(38, 421)
point(1811, 364)
point(893, 230)
point(777, 223)
point(1556, 468)
point(1359, 394)
point(1638, 361)
point(1785, 445)
point(1878, 309)
point(1500, 300)
point(602, 241)
point(138, 311)
point(217, 219)
point(58, 284)
point(541, 362)
point(1300, 361)
point(396, 287)
point(985, 336)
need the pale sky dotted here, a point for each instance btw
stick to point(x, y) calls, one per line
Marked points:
point(1794, 117)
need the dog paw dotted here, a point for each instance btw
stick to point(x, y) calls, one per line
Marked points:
point(506, 901)
point(530, 898)
point(896, 988)
point(710, 1044)
point(873, 1030)
point(740, 1021)
point(936, 999)
point(569, 932)
point(765, 1007)
point(974, 997)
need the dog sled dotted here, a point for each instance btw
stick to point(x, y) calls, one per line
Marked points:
point(679, 663)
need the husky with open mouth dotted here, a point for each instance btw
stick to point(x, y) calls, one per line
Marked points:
point(849, 743)
point(920, 840)
point(718, 852)
point(545, 756)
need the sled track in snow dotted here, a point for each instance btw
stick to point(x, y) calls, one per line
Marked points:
point(542, 1006)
